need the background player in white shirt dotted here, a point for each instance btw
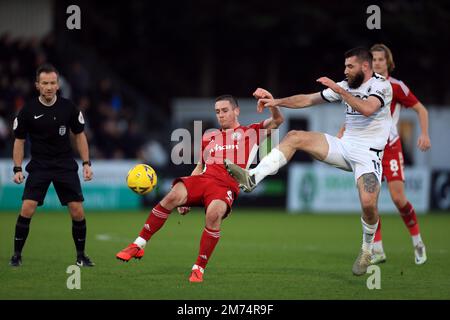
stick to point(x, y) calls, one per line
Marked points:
point(367, 98)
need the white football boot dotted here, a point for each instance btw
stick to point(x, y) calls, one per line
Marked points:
point(420, 253)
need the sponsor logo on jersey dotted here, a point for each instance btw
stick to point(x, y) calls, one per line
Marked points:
point(382, 93)
point(225, 147)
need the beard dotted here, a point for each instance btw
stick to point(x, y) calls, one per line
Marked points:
point(356, 81)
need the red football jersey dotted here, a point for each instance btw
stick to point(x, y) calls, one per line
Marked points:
point(239, 145)
point(401, 96)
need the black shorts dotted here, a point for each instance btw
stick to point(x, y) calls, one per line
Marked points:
point(66, 183)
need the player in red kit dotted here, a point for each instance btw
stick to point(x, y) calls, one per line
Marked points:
point(209, 186)
point(383, 64)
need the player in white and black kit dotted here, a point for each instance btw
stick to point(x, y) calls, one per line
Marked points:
point(367, 97)
point(47, 121)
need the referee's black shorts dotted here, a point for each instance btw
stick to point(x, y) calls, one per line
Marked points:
point(65, 181)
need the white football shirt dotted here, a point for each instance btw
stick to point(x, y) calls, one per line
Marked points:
point(372, 131)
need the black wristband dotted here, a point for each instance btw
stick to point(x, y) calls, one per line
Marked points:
point(87, 162)
point(17, 169)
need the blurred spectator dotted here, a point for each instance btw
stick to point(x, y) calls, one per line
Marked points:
point(4, 137)
point(155, 154)
point(133, 142)
point(80, 79)
point(111, 124)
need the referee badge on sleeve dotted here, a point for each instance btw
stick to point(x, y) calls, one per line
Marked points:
point(62, 130)
point(15, 123)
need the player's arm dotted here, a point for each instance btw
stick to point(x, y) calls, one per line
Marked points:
point(18, 154)
point(294, 102)
point(277, 117)
point(424, 142)
point(83, 149)
point(275, 121)
point(365, 107)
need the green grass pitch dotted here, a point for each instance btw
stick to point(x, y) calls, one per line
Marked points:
point(262, 254)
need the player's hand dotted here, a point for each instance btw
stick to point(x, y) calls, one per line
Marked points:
point(87, 173)
point(18, 177)
point(261, 93)
point(327, 82)
point(424, 142)
point(266, 103)
point(183, 210)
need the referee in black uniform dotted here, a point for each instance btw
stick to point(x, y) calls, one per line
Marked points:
point(46, 120)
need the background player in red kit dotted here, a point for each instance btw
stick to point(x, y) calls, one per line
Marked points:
point(209, 185)
point(383, 63)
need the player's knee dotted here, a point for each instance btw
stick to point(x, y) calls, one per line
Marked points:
point(213, 219)
point(174, 198)
point(296, 138)
point(368, 205)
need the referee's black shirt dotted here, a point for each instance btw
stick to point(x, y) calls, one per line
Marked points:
point(48, 129)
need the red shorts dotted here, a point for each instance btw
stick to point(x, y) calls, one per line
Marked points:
point(393, 169)
point(202, 190)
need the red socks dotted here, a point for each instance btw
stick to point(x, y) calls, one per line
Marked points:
point(208, 241)
point(207, 244)
point(155, 221)
point(410, 219)
point(378, 232)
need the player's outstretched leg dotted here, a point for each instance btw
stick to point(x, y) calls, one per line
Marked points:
point(154, 222)
point(314, 143)
point(156, 219)
point(245, 180)
point(378, 255)
point(249, 179)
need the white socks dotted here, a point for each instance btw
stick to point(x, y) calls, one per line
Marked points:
point(195, 267)
point(416, 239)
point(141, 242)
point(378, 246)
point(368, 234)
point(269, 165)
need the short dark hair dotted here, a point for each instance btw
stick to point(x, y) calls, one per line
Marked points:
point(45, 68)
point(362, 53)
point(228, 97)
